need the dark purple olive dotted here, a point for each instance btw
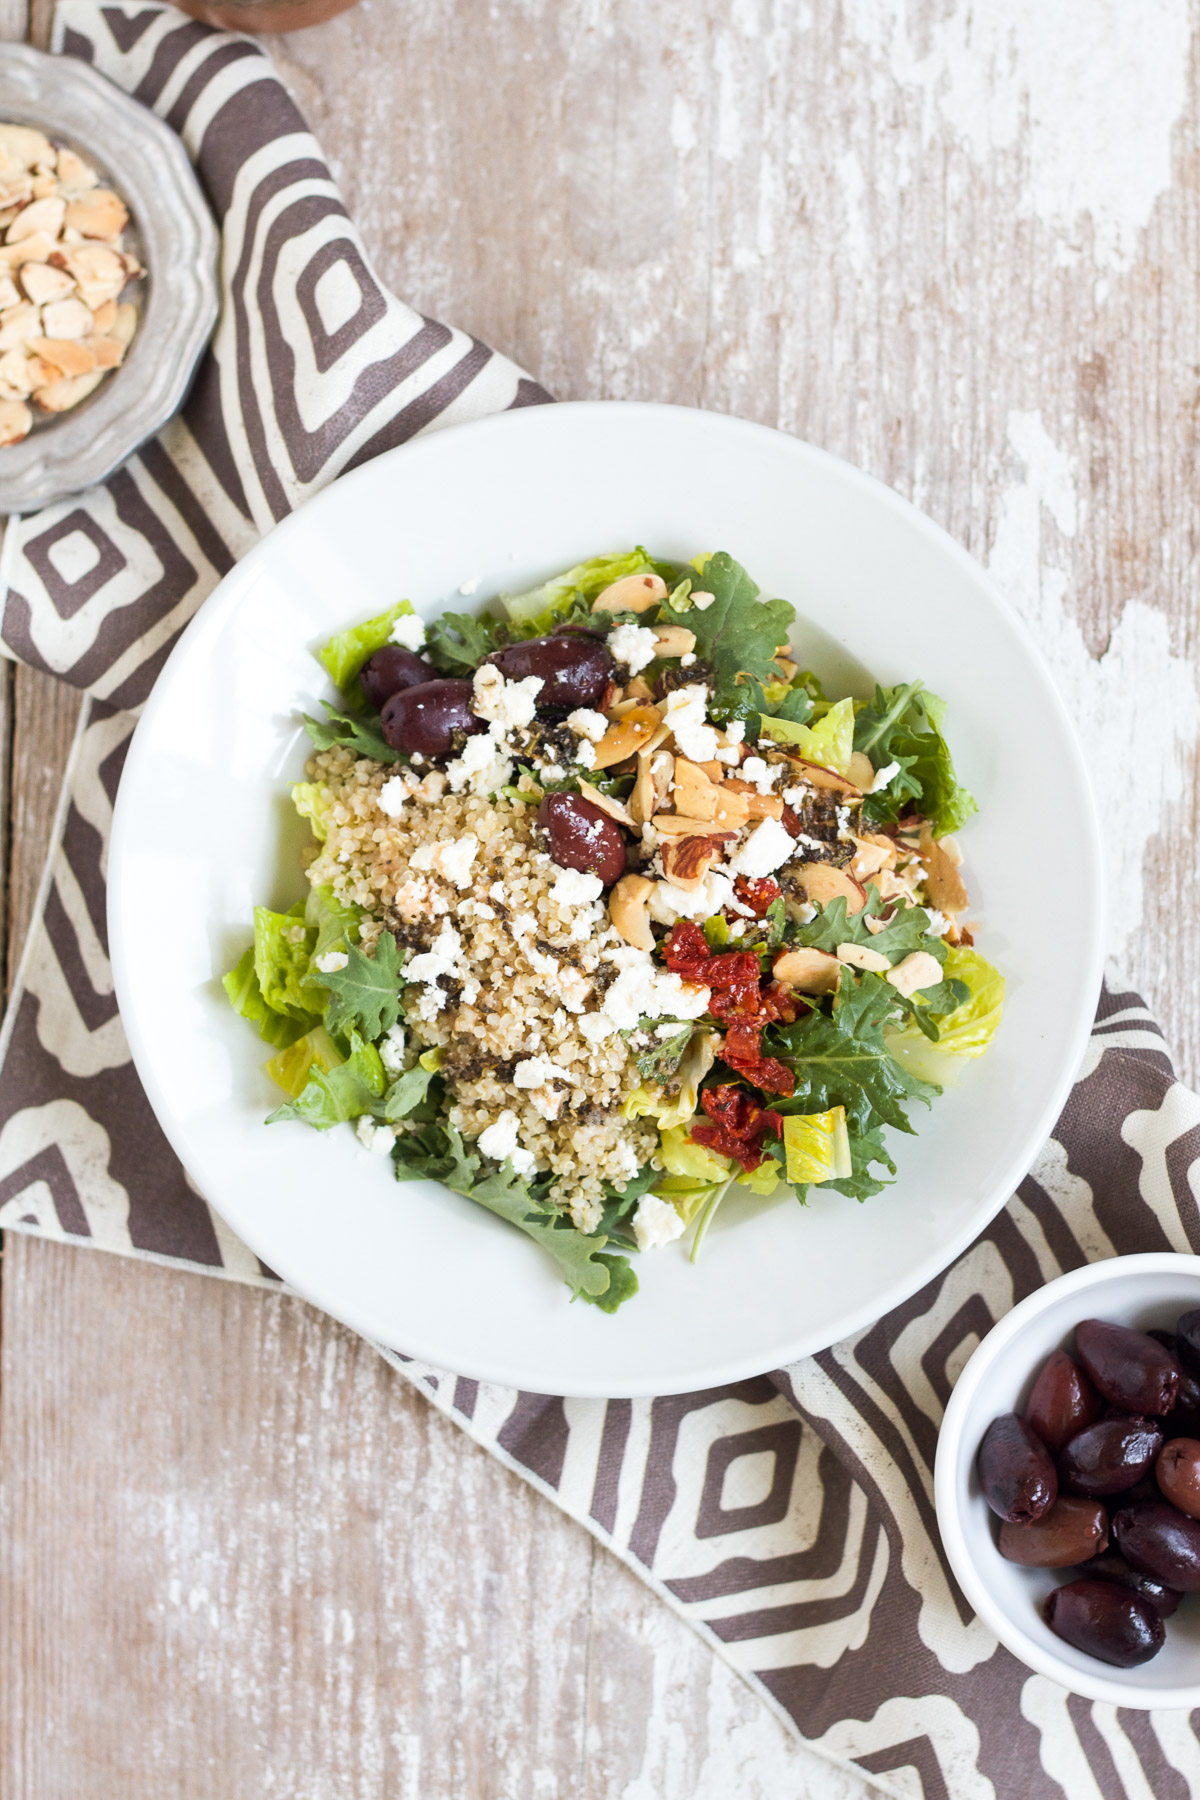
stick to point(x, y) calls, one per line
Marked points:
point(576, 628)
point(1071, 1532)
point(391, 670)
point(1187, 1339)
point(580, 836)
point(1128, 1367)
point(424, 719)
point(1016, 1472)
point(1109, 1456)
point(1105, 1621)
point(1183, 1420)
point(575, 670)
point(1111, 1567)
point(1063, 1401)
point(1162, 1542)
point(1178, 1474)
point(1145, 1489)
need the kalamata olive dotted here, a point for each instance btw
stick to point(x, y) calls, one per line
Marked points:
point(1128, 1367)
point(425, 718)
point(1145, 1489)
point(1109, 1456)
point(391, 670)
point(577, 628)
point(1063, 1401)
point(1161, 1541)
point(1016, 1472)
point(1178, 1473)
point(1111, 1567)
point(1183, 1420)
point(575, 670)
point(1072, 1531)
point(582, 837)
point(1187, 1339)
point(1105, 1621)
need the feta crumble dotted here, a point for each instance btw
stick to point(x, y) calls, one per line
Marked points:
point(686, 717)
point(585, 754)
point(768, 847)
point(536, 1071)
point(378, 1139)
point(634, 646)
point(482, 767)
point(643, 991)
point(507, 704)
point(392, 795)
point(451, 860)
point(574, 887)
point(656, 1223)
point(586, 723)
point(391, 1051)
point(409, 632)
point(500, 1141)
point(702, 600)
point(332, 961)
point(764, 775)
point(883, 776)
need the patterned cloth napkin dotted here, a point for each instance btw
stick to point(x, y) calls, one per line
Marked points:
point(790, 1518)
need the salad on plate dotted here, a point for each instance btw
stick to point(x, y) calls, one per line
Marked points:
point(611, 909)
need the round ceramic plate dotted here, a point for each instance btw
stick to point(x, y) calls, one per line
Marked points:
point(204, 830)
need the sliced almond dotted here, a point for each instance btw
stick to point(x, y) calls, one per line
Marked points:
point(758, 806)
point(674, 640)
point(107, 352)
point(686, 861)
point(694, 793)
point(944, 886)
point(24, 145)
point(821, 777)
point(627, 910)
point(823, 883)
point(614, 808)
point(105, 317)
point(125, 324)
point(808, 971)
point(36, 249)
point(15, 421)
point(637, 689)
point(920, 970)
point(60, 396)
point(42, 215)
point(871, 855)
point(677, 825)
point(73, 172)
point(633, 593)
point(67, 354)
point(67, 319)
point(45, 284)
point(43, 187)
point(861, 770)
point(732, 809)
point(18, 374)
point(99, 213)
point(787, 668)
point(10, 294)
point(15, 190)
point(19, 324)
point(99, 271)
point(629, 734)
point(861, 956)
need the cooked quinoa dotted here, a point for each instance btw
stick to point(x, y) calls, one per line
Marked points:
point(531, 969)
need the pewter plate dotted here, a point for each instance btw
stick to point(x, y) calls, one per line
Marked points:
point(172, 232)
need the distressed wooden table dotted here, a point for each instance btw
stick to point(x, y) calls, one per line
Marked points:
point(956, 245)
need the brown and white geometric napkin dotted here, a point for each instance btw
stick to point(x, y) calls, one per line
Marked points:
point(790, 1518)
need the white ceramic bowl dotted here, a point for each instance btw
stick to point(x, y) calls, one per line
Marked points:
point(204, 830)
point(1146, 1292)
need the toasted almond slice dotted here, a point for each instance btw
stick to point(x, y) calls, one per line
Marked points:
point(823, 883)
point(631, 732)
point(861, 770)
point(920, 970)
point(627, 910)
point(105, 317)
point(758, 806)
point(686, 861)
point(35, 249)
point(18, 373)
point(633, 593)
point(44, 284)
point(674, 640)
point(733, 808)
point(944, 886)
point(10, 294)
point(15, 190)
point(43, 187)
point(67, 354)
point(99, 271)
point(822, 777)
point(19, 324)
point(40, 216)
point(861, 956)
point(638, 689)
point(676, 825)
point(871, 855)
point(694, 793)
point(125, 324)
point(107, 352)
point(15, 421)
point(25, 146)
point(60, 396)
point(73, 172)
point(606, 803)
point(67, 319)
point(808, 971)
point(99, 213)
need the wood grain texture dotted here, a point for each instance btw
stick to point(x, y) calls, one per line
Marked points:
point(955, 245)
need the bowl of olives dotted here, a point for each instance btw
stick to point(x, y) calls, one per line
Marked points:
point(1067, 1481)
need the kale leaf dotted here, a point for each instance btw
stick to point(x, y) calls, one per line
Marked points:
point(840, 1059)
point(459, 641)
point(835, 924)
point(738, 633)
point(360, 735)
point(660, 1062)
point(347, 1091)
point(903, 725)
point(365, 995)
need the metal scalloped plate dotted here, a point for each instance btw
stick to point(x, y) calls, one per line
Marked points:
point(177, 242)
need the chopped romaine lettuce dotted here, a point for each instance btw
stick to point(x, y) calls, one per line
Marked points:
point(817, 1146)
point(291, 1069)
point(347, 1090)
point(965, 1032)
point(535, 613)
point(246, 998)
point(829, 742)
point(308, 800)
point(345, 654)
point(283, 945)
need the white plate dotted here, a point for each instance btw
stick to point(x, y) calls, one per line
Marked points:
point(204, 830)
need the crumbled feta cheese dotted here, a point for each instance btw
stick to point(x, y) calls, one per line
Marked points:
point(332, 961)
point(450, 859)
point(440, 959)
point(796, 796)
point(506, 704)
point(595, 1027)
point(643, 991)
point(392, 795)
point(474, 909)
point(379, 1139)
point(496, 891)
point(391, 1051)
point(805, 912)
point(574, 887)
point(432, 788)
point(686, 717)
point(768, 847)
point(920, 970)
point(625, 1160)
point(656, 1223)
point(586, 1215)
point(883, 776)
point(585, 754)
point(471, 586)
point(938, 925)
point(482, 767)
point(702, 600)
point(409, 631)
point(586, 723)
point(634, 646)
point(860, 956)
point(687, 659)
point(668, 1029)
point(500, 1141)
point(668, 902)
point(764, 775)
point(735, 731)
point(553, 771)
point(536, 1071)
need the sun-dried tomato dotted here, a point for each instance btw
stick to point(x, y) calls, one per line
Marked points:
point(685, 949)
point(757, 894)
point(781, 1004)
point(738, 1127)
point(743, 1053)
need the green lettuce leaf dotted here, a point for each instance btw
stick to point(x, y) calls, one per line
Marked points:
point(903, 725)
point(246, 997)
point(405, 1094)
point(309, 800)
point(535, 613)
point(345, 654)
point(365, 995)
point(332, 1096)
point(291, 1069)
point(840, 1059)
point(739, 634)
point(283, 945)
point(829, 742)
point(835, 925)
point(362, 736)
point(966, 1009)
point(333, 923)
